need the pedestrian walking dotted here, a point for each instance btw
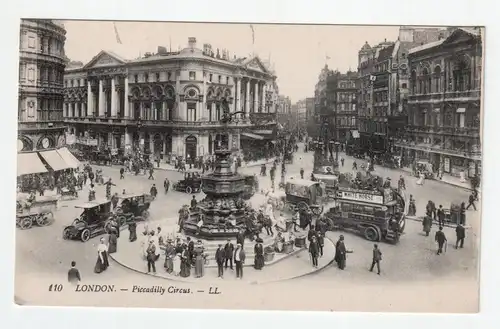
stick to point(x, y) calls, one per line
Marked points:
point(341, 253)
point(132, 228)
point(301, 173)
point(441, 240)
point(460, 231)
point(108, 188)
point(102, 257)
point(228, 254)
point(314, 251)
point(377, 257)
point(427, 224)
point(151, 257)
point(239, 260)
point(153, 191)
point(151, 171)
point(472, 198)
point(73, 274)
point(122, 171)
point(441, 215)
point(220, 256)
point(166, 185)
point(342, 161)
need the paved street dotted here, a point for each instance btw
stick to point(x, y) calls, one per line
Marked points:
point(42, 251)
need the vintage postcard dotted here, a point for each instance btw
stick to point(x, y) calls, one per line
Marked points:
point(249, 166)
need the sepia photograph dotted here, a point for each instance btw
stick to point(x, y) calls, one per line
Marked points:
point(249, 166)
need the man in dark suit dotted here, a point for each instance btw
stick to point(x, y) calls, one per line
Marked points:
point(441, 240)
point(220, 255)
point(377, 257)
point(239, 260)
point(228, 253)
point(460, 230)
point(441, 215)
point(314, 251)
point(74, 274)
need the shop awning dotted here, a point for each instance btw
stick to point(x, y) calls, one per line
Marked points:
point(264, 132)
point(29, 163)
point(68, 157)
point(254, 136)
point(54, 160)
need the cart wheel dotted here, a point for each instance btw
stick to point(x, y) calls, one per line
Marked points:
point(145, 214)
point(41, 220)
point(26, 223)
point(318, 210)
point(302, 206)
point(67, 233)
point(85, 235)
point(371, 234)
point(121, 220)
point(189, 190)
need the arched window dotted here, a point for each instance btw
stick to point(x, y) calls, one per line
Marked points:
point(462, 75)
point(413, 82)
point(425, 82)
point(437, 79)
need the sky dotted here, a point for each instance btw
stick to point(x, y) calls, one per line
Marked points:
point(298, 52)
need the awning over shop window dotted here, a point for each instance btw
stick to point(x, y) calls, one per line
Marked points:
point(29, 163)
point(254, 136)
point(355, 133)
point(68, 158)
point(54, 160)
point(264, 132)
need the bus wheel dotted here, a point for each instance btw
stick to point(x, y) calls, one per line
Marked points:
point(371, 234)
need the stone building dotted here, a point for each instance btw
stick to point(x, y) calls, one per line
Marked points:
point(41, 73)
point(170, 102)
point(444, 104)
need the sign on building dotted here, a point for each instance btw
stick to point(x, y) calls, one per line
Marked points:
point(359, 196)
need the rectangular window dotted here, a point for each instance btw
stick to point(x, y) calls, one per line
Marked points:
point(169, 75)
point(31, 42)
point(191, 112)
point(210, 77)
point(220, 79)
point(136, 78)
point(227, 80)
point(146, 77)
point(157, 77)
point(192, 75)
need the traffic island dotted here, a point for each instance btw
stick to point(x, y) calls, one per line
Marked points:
point(281, 267)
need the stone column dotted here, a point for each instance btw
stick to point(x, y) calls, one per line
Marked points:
point(89, 98)
point(233, 95)
point(263, 97)
point(113, 98)
point(126, 111)
point(212, 112)
point(179, 108)
point(101, 99)
point(247, 99)
point(256, 102)
point(202, 106)
point(237, 97)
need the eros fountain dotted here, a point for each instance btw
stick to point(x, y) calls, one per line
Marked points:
point(223, 212)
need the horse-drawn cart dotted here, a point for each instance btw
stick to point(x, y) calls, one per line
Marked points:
point(304, 194)
point(39, 212)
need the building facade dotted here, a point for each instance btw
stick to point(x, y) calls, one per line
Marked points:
point(171, 102)
point(444, 104)
point(284, 110)
point(41, 74)
point(310, 116)
point(341, 110)
point(300, 114)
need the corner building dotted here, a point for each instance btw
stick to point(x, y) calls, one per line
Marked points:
point(41, 73)
point(170, 103)
point(444, 104)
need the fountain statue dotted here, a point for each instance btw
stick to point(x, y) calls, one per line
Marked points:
point(223, 212)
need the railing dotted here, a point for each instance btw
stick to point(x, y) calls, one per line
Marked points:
point(446, 96)
point(456, 131)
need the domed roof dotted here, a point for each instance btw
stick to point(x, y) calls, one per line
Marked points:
point(366, 46)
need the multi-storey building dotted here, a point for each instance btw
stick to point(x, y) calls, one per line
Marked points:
point(41, 73)
point(310, 117)
point(444, 103)
point(341, 111)
point(301, 114)
point(171, 102)
point(320, 98)
point(284, 110)
point(374, 64)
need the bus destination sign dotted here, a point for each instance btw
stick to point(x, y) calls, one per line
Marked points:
point(363, 197)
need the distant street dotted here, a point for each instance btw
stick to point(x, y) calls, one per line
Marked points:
point(43, 251)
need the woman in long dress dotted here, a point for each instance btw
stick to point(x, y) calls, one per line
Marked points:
point(102, 257)
point(421, 178)
point(199, 268)
point(176, 261)
point(259, 256)
point(169, 257)
point(112, 242)
point(185, 263)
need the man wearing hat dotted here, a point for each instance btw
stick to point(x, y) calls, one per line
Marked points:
point(220, 256)
point(228, 253)
point(340, 253)
point(239, 260)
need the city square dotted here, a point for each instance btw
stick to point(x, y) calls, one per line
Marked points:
point(209, 122)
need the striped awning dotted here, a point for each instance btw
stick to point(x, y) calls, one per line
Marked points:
point(254, 136)
point(54, 160)
point(29, 163)
point(68, 157)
